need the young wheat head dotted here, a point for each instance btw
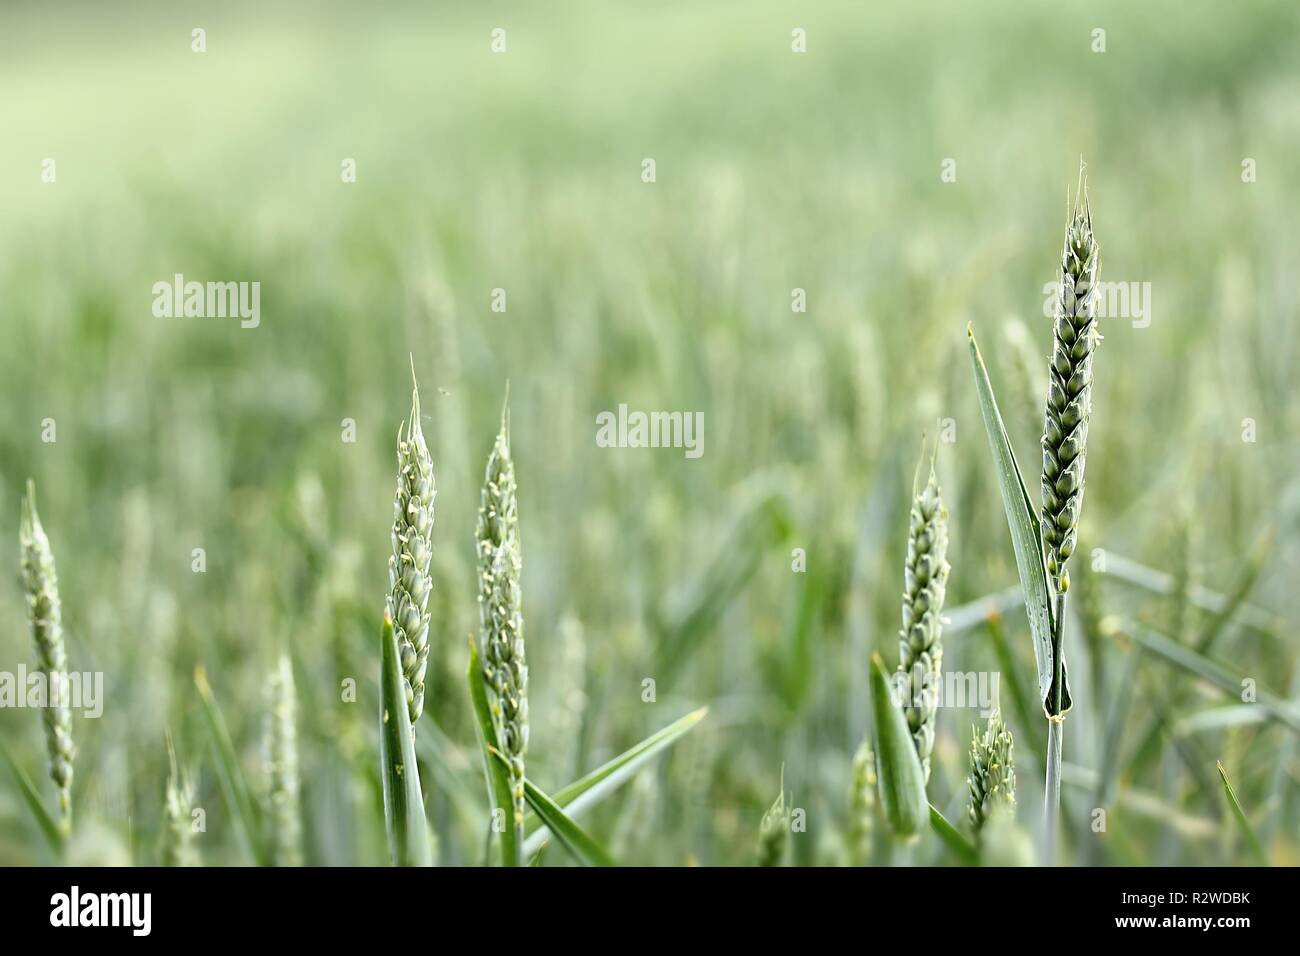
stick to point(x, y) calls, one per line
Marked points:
point(1069, 390)
point(285, 820)
point(41, 585)
point(501, 620)
point(920, 650)
point(176, 838)
point(862, 805)
point(409, 581)
point(992, 780)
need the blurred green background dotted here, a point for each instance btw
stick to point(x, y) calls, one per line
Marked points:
point(522, 171)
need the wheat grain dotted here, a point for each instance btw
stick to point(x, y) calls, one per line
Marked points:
point(862, 805)
point(176, 839)
point(501, 621)
point(44, 612)
point(1069, 391)
point(920, 650)
point(284, 816)
point(409, 581)
point(992, 779)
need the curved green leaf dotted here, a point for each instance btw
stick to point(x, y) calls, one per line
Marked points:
point(50, 828)
point(244, 813)
point(898, 769)
point(952, 838)
point(1026, 538)
point(1252, 841)
point(572, 837)
point(408, 831)
point(497, 775)
point(582, 794)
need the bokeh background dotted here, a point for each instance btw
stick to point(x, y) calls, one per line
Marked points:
point(522, 171)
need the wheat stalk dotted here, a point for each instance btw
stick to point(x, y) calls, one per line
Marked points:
point(41, 584)
point(1065, 445)
point(501, 622)
point(862, 805)
point(992, 779)
point(409, 580)
point(285, 837)
point(920, 650)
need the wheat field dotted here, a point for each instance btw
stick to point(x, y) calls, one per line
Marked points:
point(776, 222)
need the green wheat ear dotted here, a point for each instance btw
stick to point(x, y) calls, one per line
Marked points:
point(920, 649)
point(176, 839)
point(1069, 390)
point(284, 812)
point(44, 613)
point(501, 620)
point(409, 580)
point(992, 780)
point(862, 805)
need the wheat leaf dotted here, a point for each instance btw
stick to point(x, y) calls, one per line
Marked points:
point(408, 834)
point(1026, 537)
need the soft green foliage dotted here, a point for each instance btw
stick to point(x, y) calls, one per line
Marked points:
point(1069, 390)
point(409, 580)
point(925, 581)
point(521, 171)
point(45, 615)
point(501, 621)
point(992, 777)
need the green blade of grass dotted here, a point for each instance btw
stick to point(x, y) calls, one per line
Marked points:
point(580, 844)
point(898, 769)
point(1210, 671)
point(952, 838)
point(404, 822)
point(582, 794)
point(49, 827)
point(1026, 539)
point(572, 837)
point(243, 808)
point(497, 776)
point(1252, 841)
point(1020, 696)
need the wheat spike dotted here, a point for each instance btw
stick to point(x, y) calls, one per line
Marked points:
point(1069, 390)
point(992, 780)
point(862, 805)
point(501, 620)
point(285, 837)
point(920, 649)
point(176, 840)
point(409, 580)
point(41, 585)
